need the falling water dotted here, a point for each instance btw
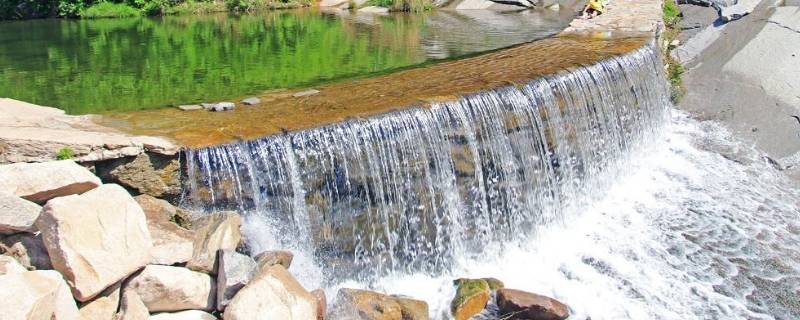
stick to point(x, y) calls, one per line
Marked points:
point(417, 189)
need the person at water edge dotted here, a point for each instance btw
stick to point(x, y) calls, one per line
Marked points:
point(592, 9)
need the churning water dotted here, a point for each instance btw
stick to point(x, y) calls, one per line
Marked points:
point(583, 186)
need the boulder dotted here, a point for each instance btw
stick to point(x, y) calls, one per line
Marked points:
point(131, 307)
point(29, 250)
point(234, 270)
point(270, 258)
point(166, 288)
point(412, 309)
point(104, 306)
point(171, 243)
point(251, 101)
point(151, 174)
point(39, 182)
point(471, 298)
point(367, 305)
point(95, 239)
point(517, 304)
point(158, 209)
point(40, 295)
point(184, 315)
point(494, 284)
point(272, 294)
point(214, 232)
point(322, 303)
point(9, 265)
point(17, 214)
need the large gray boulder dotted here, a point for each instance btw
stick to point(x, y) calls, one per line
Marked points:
point(272, 294)
point(39, 182)
point(36, 295)
point(234, 271)
point(166, 288)
point(17, 214)
point(214, 232)
point(95, 239)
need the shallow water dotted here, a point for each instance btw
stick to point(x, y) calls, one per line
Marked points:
point(93, 66)
point(695, 226)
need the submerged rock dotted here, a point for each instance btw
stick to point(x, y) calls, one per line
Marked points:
point(370, 305)
point(272, 294)
point(39, 295)
point(29, 250)
point(251, 101)
point(166, 288)
point(17, 214)
point(39, 182)
point(95, 239)
point(518, 304)
point(214, 232)
point(234, 271)
point(471, 298)
point(184, 315)
point(270, 258)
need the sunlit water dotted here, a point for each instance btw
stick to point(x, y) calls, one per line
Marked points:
point(91, 66)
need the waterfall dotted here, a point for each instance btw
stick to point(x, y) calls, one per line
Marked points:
point(416, 189)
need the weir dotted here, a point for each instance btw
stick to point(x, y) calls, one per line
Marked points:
point(416, 189)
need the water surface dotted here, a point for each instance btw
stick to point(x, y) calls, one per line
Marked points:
point(93, 66)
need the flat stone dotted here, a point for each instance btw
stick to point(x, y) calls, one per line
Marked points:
point(234, 271)
point(29, 250)
point(172, 244)
point(190, 107)
point(39, 182)
point(518, 304)
point(104, 306)
point(310, 92)
point(223, 106)
point(184, 315)
point(95, 239)
point(278, 257)
point(251, 101)
point(36, 295)
point(374, 10)
point(17, 214)
point(272, 294)
point(9, 265)
point(214, 232)
point(31, 133)
point(167, 288)
point(131, 307)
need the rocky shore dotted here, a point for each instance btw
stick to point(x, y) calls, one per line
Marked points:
point(74, 247)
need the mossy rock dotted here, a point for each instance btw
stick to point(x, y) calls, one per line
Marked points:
point(471, 298)
point(494, 283)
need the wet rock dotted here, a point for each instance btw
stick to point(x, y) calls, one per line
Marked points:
point(367, 305)
point(166, 288)
point(412, 309)
point(322, 303)
point(39, 182)
point(494, 284)
point(219, 106)
point(214, 232)
point(151, 174)
point(104, 306)
point(471, 297)
point(40, 295)
point(184, 315)
point(251, 101)
point(190, 107)
point(234, 271)
point(517, 304)
point(29, 250)
point(95, 239)
point(306, 93)
point(171, 243)
point(9, 265)
point(131, 307)
point(17, 214)
point(272, 294)
point(270, 258)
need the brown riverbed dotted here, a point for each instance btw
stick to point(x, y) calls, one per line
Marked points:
point(280, 110)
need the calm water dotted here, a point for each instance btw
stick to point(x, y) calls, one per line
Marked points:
point(91, 66)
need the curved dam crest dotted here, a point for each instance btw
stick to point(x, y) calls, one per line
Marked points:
point(418, 189)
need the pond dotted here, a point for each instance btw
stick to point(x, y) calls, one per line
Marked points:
point(111, 65)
